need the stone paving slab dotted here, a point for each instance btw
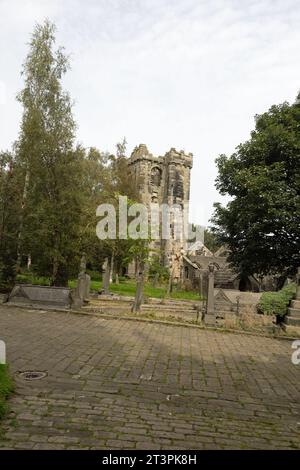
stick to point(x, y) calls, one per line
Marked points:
point(117, 384)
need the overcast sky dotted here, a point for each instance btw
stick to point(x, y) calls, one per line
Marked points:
point(189, 74)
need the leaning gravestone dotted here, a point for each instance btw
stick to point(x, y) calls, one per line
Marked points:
point(40, 296)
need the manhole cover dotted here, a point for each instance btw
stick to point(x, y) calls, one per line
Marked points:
point(32, 375)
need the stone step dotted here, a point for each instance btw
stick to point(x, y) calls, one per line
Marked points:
point(294, 312)
point(151, 300)
point(192, 307)
point(112, 298)
point(295, 321)
point(158, 308)
point(110, 304)
point(295, 304)
point(172, 302)
point(292, 330)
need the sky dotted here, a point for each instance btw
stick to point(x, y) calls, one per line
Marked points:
point(189, 74)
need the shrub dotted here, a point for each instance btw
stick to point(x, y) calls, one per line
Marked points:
point(276, 303)
point(6, 387)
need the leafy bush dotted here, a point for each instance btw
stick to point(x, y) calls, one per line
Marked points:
point(276, 303)
point(6, 387)
point(157, 272)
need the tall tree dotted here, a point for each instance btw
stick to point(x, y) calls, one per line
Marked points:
point(11, 180)
point(52, 166)
point(261, 223)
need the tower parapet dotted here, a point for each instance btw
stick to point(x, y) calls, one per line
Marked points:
point(179, 158)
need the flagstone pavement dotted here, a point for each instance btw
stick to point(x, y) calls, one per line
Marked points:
point(121, 384)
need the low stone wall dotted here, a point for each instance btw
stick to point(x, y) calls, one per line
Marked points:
point(40, 296)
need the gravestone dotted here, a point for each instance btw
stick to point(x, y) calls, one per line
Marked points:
point(2, 352)
point(81, 294)
point(210, 316)
point(106, 273)
point(222, 303)
point(40, 296)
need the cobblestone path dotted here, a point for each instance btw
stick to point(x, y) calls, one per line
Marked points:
point(120, 384)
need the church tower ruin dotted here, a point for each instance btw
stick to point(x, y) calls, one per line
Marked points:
point(163, 180)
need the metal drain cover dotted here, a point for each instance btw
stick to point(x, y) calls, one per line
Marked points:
point(32, 375)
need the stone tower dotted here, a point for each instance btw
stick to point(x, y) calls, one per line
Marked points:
point(162, 180)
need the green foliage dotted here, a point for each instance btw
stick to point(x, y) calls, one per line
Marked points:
point(50, 225)
point(6, 388)
point(32, 278)
point(157, 272)
point(10, 207)
point(211, 240)
point(261, 223)
point(105, 178)
point(276, 303)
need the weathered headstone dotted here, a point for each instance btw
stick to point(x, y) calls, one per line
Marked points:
point(139, 294)
point(2, 352)
point(106, 277)
point(81, 293)
point(43, 296)
point(210, 317)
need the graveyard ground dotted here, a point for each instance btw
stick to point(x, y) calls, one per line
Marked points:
point(120, 384)
point(126, 287)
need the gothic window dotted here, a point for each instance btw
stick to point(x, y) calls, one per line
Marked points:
point(155, 177)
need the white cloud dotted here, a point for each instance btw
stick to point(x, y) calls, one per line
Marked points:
point(185, 73)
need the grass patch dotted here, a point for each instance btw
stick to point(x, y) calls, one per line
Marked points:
point(6, 387)
point(128, 287)
point(30, 278)
point(276, 303)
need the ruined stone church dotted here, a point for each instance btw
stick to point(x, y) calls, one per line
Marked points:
point(166, 180)
point(163, 180)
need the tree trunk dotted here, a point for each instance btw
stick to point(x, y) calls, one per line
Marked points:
point(19, 243)
point(111, 269)
point(139, 293)
point(60, 276)
point(170, 283)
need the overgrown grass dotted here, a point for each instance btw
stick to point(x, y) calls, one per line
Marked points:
point(6, 387)
point(276, 303)
point(31, 278)
point(125, 287)
point(128, 287)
